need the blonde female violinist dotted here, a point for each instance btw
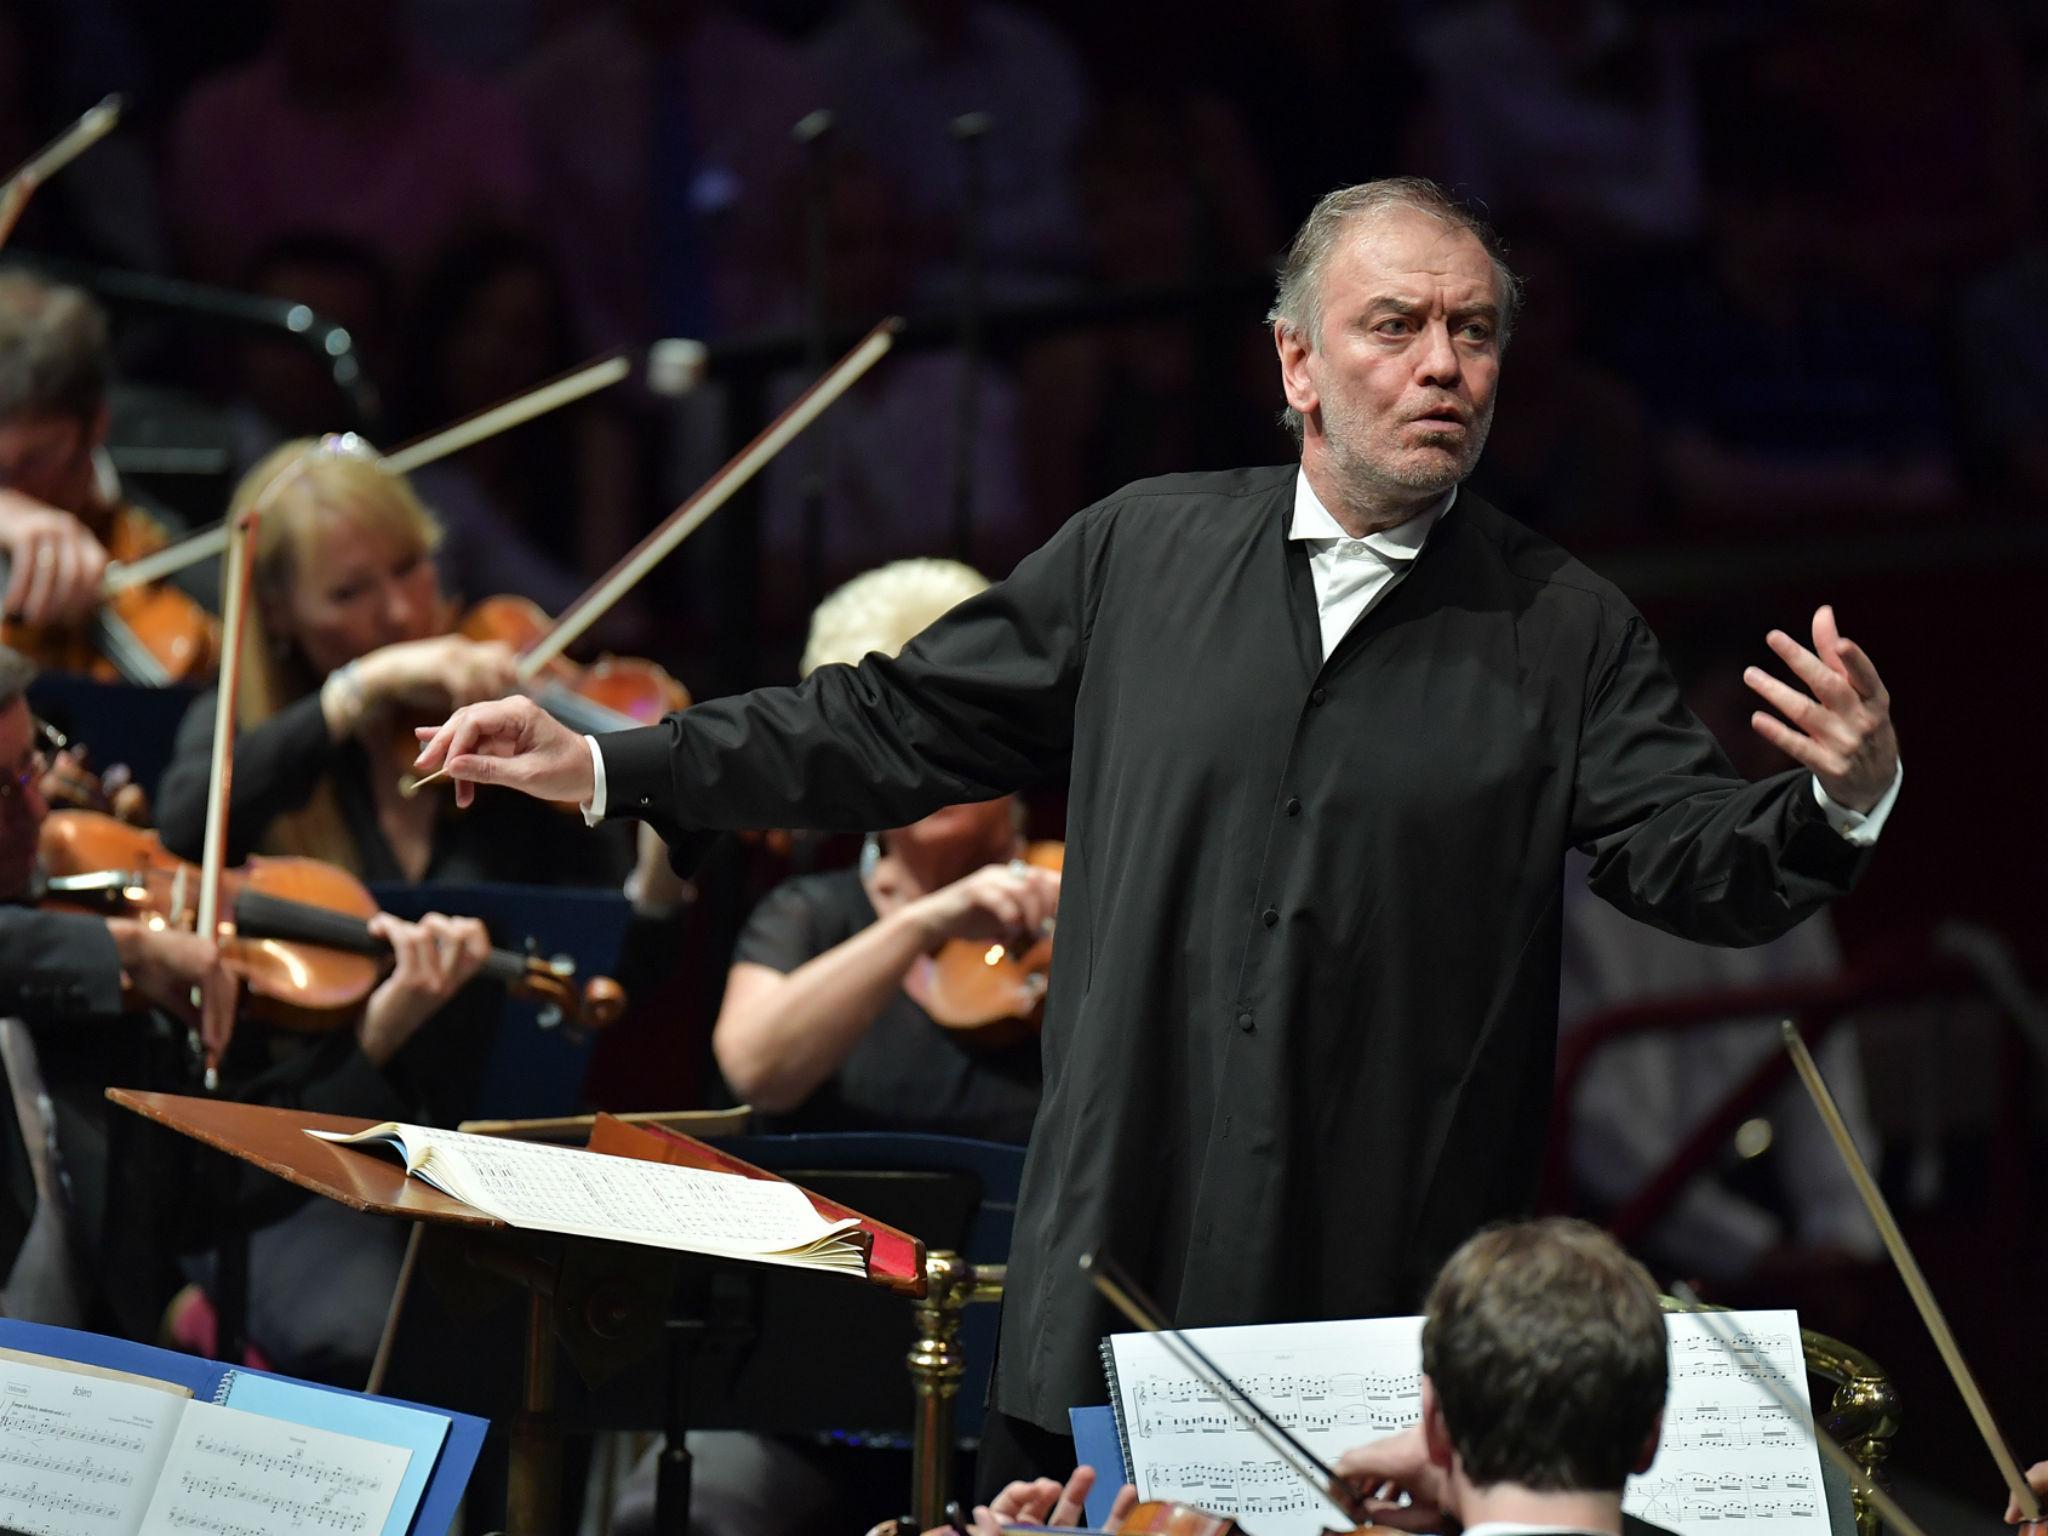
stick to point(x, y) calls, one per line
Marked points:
point(349, 642)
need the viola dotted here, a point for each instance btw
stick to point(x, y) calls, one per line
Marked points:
point(300, 927)
point(147, 633)
point(993, 993)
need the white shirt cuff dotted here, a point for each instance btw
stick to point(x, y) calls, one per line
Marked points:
point(1859, 827)
point(593, 809)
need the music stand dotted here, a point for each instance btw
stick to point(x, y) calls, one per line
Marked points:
point(601, 1299)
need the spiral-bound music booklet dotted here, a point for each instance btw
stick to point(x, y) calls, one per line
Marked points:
point(1736, 1460)
point(101, 1437)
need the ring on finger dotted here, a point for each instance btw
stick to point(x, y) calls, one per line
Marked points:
point(46, 556)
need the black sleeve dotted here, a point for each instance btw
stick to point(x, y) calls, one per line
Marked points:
point(980, 704)
point(277, 766)
point(784, 930)
point(1677, 839)
point(57, 965)
point(328, 1076)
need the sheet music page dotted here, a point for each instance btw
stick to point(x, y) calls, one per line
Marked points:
point(232, 1473)
point(1732, 1462)
point(1732, 1456)
point(79, 1453)
point(1333, 1384)
point(565, 1189)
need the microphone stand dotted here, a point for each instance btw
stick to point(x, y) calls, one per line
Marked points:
point(969, 131)
point(813, 133)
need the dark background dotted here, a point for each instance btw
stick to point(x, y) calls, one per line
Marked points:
point(1786, 342)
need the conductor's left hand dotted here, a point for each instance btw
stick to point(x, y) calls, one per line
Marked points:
point(513, 742)
point(1843, 730)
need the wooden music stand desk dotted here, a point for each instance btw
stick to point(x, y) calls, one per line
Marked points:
point(604, 1300)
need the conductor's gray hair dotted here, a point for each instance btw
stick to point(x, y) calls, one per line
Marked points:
point(1298, 302)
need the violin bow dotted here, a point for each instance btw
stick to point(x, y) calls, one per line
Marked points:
point(92, 126)
point(686, 519)
point(220, 775)
point(1909, 1271)
point(1122, 1293)
point(1715, 1321)
point(563, 389)
point(708, 498)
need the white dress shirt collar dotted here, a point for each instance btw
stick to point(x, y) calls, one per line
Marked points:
point(1403, 542)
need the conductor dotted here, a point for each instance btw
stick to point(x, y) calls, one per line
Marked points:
point(1328, 730)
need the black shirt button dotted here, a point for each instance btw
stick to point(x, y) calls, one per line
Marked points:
point(1316, 696)
point(1269, 917)
point(1293, 806)
point(1244, 1022)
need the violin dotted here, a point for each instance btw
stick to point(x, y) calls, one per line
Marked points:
point(300, 939)
point(147, 633)
point(614, 693)
point(991, 992)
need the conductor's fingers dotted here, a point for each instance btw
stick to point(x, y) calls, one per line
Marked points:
point(1856, 662)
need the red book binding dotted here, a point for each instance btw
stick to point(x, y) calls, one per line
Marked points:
point(895, 1258)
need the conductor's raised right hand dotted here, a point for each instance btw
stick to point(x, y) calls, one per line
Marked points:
point(513, 742)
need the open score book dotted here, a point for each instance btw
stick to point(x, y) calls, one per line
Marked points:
point(588, 1194)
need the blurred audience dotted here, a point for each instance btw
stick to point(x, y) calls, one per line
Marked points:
point(340, 124)
point(1573, 453)
point(888, 447)
point(1581, 111)
point(898, 73)
point(1790, 1218)
point(538, 510)
point(1784, 389)
point(661, 130)
point(280, 388)
point(1171, 194)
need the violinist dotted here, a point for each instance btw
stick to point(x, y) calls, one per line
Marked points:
point(1545, 1365)
point(348, 637)
point(820, 1027)
point(107, 1001)
point(63, 512)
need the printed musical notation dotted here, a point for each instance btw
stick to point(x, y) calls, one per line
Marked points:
point(1730, 1455)
point(1677, 1502)
point(1368, 1403)
point(33, 1508)
point(79, 1454)
point(232, 1473)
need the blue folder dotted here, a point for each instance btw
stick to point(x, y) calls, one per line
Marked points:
point(211, 1380)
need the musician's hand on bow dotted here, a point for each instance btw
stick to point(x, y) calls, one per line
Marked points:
point(513, 742)
point(1843, 729)
point(1043, 1501)
point(54, 562)
point(2037, 1479)
point(1379, 1475)
point(446, 670)
point(168, 965)
point(436, 957)
point(993, 902)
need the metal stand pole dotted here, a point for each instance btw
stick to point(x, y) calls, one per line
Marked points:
point(936, 1366)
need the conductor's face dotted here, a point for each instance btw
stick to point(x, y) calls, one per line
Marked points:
point(1397, 391)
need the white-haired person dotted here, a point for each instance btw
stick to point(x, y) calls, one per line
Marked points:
point(819, 1029)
